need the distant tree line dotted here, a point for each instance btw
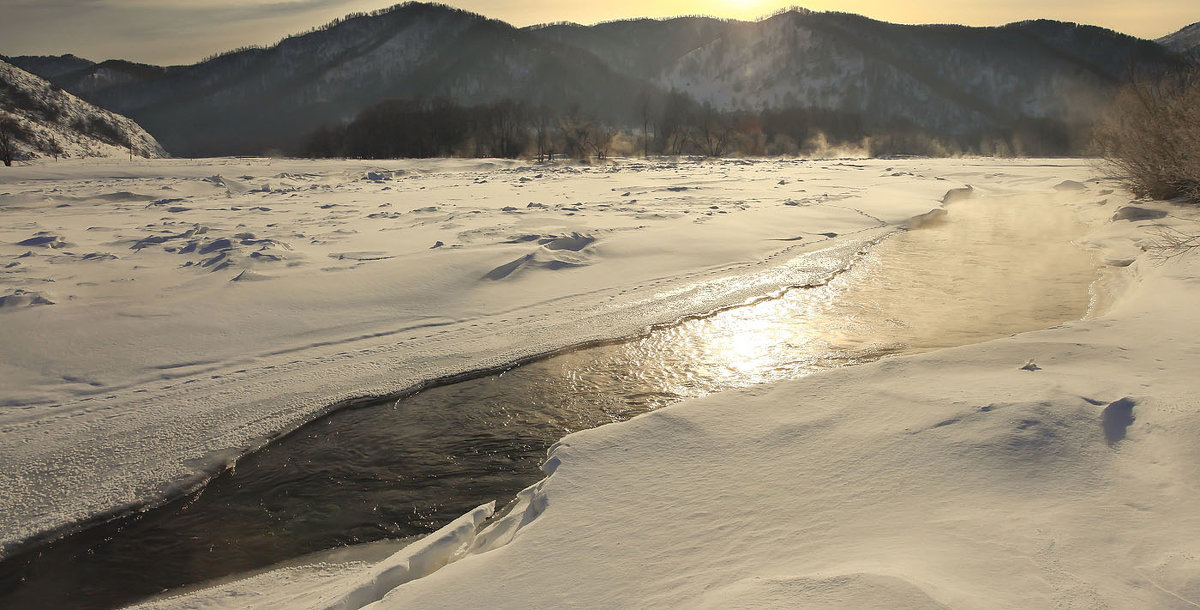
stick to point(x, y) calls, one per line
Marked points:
point(662, 124)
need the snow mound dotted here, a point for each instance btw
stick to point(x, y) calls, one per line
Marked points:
point(1136, 214)
point(23, 298)
point(555, 253)
point(947, 479)
point(419, 559)
point(44, 239)
point(858, 590)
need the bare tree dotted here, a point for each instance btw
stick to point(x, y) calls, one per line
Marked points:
point(576, 132)
point(673, 131)
point(542, 120)
point(53, 147)
point(1151, 137)
point(600, 139)
point(713, 130)
point(8, 141)
point(1167, 243)
point(645, 110)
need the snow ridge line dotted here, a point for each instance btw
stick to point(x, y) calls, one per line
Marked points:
point(422, 558)
point(470, 534)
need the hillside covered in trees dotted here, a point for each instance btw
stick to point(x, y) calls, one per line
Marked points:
point(691, 85)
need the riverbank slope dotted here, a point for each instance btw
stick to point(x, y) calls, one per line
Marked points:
point(1051, 469)
point(1054, 468)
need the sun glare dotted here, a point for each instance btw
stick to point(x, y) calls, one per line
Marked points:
point(757, 7)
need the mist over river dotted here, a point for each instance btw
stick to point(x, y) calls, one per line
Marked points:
point(988, 268)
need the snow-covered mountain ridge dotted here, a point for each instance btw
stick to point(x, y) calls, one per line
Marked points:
point(941, 79)
point(1186, 40)
point(44, 121)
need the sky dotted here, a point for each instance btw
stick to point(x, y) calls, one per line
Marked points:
point(185, 31)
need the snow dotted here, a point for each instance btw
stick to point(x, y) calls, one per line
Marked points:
point(152, 370)
point(1184, 41)
point(1048, 469)
point(61, 129)
point(958, 478)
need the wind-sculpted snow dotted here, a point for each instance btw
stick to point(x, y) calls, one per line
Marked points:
point(1043, 469)
point(952, 479)
point(190, 311)
point(350, 298)
point(419, 559)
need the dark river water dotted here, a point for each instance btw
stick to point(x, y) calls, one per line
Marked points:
point(990, 268)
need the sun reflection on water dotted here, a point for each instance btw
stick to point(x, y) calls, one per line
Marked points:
point(994, 267)
point(997, 266)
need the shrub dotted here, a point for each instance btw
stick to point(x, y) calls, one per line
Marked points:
point(11, 132)
point(1151, 137)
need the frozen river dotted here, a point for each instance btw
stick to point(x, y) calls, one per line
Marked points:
point(991, 267)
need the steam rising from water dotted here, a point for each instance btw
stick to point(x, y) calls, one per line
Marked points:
point(989, 268)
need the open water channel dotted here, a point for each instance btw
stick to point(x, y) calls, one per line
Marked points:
point(989, 268)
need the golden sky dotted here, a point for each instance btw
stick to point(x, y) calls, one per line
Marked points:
point(184, 31)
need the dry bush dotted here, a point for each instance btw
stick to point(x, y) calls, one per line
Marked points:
point(1151, 137)
point(1167, 243)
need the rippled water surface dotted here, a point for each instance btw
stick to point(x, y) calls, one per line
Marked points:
point(992, 267)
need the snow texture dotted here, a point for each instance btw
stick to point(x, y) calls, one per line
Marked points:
point(201, 308)
point(956, 478)
point(54, 122)
point(1185, 41)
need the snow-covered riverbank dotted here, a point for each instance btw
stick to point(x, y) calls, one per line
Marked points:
point(1054, 468)
point(1051, 469)
point(202, 307)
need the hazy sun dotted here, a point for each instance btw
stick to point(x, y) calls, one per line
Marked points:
point(743, 8)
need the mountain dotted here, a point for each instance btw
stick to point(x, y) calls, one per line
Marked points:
point(52, 66)
point(42, 120)
point(1185, 41)
point(945, 78)
point(941, 79)
point(257, 99)
point(641, 47)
